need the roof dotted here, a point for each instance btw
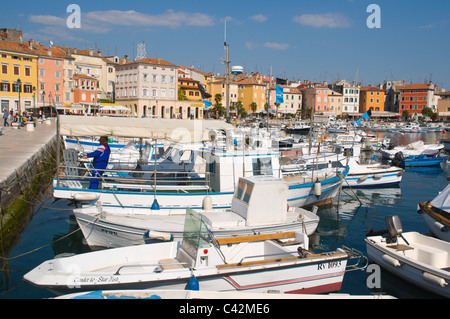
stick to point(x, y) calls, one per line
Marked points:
point(22, 48)
point(153, 61)
point(370, 88)
point(416, 86)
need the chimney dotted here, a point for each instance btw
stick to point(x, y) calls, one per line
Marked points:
point(126, 58)
point(91, 52)
point(404, 82)
point(49, 53)
point(99, 52)
point(30, 44)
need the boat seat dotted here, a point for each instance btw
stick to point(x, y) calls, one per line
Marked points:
point(170, 263)
point(400, 247)
point(72, 184)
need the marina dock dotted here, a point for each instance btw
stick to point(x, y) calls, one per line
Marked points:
point(27, 157)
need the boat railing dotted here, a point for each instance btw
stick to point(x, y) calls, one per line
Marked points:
point(360, 262)
point(158, 266)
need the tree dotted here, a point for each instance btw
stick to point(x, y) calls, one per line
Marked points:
point(427, 112)
point(182, 95)
point(405, 114)
point(218, 108)
point(253, 106)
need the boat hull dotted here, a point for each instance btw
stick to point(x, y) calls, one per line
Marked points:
point(119, 231)
point(363, 180)
point(437, 221)
point(139, 267)
point(299, 195)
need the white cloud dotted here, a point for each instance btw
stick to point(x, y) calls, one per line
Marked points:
point(276, 46)
point(329, 20)
point(104, 21)
point(259, 18)
point(267, 45)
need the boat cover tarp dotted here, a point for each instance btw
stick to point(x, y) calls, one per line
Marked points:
point(182, 131)
point(442, 201)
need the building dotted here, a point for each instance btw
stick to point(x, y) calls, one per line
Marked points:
point(149, 88)
point(252, 89)
point(83, 62)
point(50, 89)
point(372, 98)
point(217, 85)
point(335, 103)
point(190, 89)
point(443, 106)
point(415, 97)
point(85, 89)
point(18, 76)
point(350, 96)
point(315, 97)
point(292, 100)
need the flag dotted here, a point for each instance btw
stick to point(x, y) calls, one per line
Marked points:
point(359, 121)
point(206, 103)
point(205, 95)
point(367, 115)
point(279, 95)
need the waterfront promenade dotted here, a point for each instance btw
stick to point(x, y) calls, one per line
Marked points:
point(17, 146)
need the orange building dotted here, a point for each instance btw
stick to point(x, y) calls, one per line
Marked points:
point(415, 97)
point(85, 90)
point(371, 97)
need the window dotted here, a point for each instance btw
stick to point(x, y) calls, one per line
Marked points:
point(163, 79)
point(16, 70)
point(57, 62)
point(41, 72)
point(145, 92)
point(56, 87)
point(27, 71)
point(27, 88)
point(145, 77)
point(154, 92)
point(67, 96)
point(83, 96)
point(57, 74)
point(4, 68)
point(41, 61)
point(5, 87)
point(262, 166)
point(154, 78)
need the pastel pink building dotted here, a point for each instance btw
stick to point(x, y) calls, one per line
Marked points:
point(50, 76)
point(315, 97)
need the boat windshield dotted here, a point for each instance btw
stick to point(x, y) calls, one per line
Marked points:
point(195, 234)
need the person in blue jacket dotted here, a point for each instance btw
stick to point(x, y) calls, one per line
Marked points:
point(100, 161)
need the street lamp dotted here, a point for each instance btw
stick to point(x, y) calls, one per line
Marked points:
point(43, 106)
point(19, 83)
point(34, 103)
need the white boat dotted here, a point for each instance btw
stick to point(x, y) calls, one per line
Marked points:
point(415, 148)
point(360, 174)
point(259, 206)
point(372, 174)
point(436, 214)
point(222, 168)
point(419, 259)
point(258, 263)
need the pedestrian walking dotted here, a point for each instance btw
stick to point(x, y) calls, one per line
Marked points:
point(5, 118)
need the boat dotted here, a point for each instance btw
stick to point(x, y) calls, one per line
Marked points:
point(257, 263)
point(414, 148)
point(436, 214)
point(446, 143)
point(428, 157)
point(362, 175)
point(259, 206)
point(298, 128)
point(241, 155)
point(417, 258)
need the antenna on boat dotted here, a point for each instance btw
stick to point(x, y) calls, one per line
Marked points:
point(227, 74)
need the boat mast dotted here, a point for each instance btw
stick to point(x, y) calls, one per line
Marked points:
point(227, 75)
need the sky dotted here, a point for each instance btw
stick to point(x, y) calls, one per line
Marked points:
point(321, 40)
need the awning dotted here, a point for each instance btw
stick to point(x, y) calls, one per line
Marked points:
point(181, 131)
point(112, 107)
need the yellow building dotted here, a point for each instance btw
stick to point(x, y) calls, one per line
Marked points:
point(371, 98)
point(18, 76)
point(252, 89)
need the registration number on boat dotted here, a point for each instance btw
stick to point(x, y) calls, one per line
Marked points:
point(329, 265)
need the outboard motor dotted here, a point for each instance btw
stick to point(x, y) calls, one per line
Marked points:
point(395, 229)
point(398, 158)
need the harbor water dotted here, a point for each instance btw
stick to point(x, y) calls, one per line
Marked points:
point(53, 231)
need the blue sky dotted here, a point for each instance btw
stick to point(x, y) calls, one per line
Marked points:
point(308, 40)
